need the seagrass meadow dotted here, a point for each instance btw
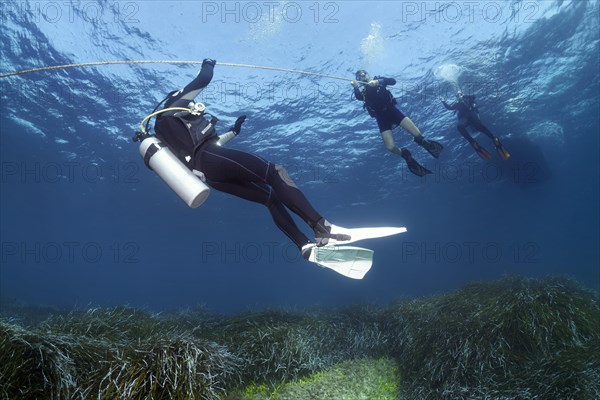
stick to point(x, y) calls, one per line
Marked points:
point(515, 338)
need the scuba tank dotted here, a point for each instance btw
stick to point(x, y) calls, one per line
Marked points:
point(158, 157)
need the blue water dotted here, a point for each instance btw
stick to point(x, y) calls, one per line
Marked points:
point(84, 222)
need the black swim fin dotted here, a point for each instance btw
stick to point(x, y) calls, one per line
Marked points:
point(413, 165)
point(434, 148)
point(482, 152)
point(501, 150)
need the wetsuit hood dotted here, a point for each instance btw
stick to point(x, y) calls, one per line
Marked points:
point(362, 75)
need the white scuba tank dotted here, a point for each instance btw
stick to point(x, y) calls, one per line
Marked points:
point(161, 159)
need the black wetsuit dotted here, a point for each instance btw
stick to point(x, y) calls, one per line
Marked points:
point(232, 171)
point(381, 104)
point(468, 116)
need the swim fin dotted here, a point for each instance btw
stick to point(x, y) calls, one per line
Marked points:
point(413, 165)
point(323, 233)
point(482, 152)
point(434, 148)
point(501, 150)
point(352, 262)
point(356, 234)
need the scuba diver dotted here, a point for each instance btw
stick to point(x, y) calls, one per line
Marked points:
point(381, 104)
point(468, 116)
point(192, 137)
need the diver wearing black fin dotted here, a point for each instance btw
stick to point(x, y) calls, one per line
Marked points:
point(194, 140)
point(381, 105)
point(468, 116)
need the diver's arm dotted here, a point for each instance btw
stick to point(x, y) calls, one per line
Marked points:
point(183, 97)
point(358, 94)
point(226, 137)
point(381, 81)
point(233, 131)
point(449, 106)
point(357, 85)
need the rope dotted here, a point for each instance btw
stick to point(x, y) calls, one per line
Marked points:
point(91, 64)
point(97, 63)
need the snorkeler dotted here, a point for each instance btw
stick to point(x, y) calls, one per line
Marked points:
point(381, 104)
point(193, 139)
point(468, 116)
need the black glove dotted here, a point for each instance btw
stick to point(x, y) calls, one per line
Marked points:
point(209, 61)
point(238, 124)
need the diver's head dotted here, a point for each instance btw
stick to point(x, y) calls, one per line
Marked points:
point(362, 75)
point(459, 94)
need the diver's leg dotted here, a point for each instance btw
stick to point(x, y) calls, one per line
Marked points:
point(264, 195)
point(412, 164)
point(434, 148)
point(410, 127)
point(295, 200)
point(394, 117)
point(479, 126)
point(481, 152)
point(388, 140)
point(462, 128)
point(223, 165)
point(504, 154)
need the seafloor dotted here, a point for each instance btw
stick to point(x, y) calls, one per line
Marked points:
point(515, 338)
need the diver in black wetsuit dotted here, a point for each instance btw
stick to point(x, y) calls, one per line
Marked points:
point(468, 116)
point(193, 139)
point(381, 105)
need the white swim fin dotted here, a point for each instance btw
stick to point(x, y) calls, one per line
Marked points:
point(350, 261)
point(357, 234)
